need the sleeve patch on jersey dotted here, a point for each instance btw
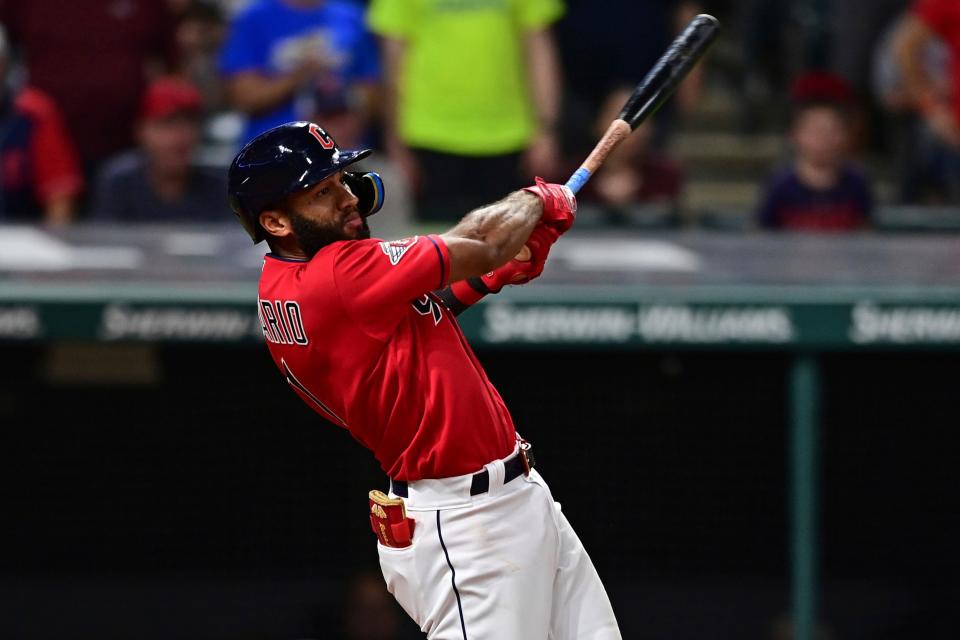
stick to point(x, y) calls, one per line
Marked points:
point(395, 249)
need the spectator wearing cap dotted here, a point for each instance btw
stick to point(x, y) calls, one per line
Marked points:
point(158, 181)
point(40, 177)
point(820, 189)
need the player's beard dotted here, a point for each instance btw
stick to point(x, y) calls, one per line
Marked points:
point(313, 236)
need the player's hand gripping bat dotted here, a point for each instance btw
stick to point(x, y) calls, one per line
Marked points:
point(656, 88)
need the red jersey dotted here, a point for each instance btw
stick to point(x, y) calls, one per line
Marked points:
point(943, 18)
point(358, 335)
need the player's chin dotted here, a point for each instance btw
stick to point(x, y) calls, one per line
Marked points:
point(357, 228)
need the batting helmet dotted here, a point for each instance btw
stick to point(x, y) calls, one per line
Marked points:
point(286, 159)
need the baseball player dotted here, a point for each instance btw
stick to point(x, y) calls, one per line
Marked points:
point(470, 540)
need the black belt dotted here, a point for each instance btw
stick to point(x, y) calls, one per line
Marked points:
point(513, 468)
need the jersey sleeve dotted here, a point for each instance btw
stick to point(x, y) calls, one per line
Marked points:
point(537, 14)
point(377, 280)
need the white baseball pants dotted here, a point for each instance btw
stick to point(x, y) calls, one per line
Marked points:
point(502, 565)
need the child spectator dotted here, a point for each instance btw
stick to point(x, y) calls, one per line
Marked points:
point(821, 190)
point(40, 176)
point(158, 182)
point(290, 60)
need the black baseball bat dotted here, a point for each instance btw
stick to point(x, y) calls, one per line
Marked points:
point(656, 87)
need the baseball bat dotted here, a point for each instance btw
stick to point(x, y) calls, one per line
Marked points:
point(656, 87)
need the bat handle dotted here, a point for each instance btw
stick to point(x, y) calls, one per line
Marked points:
point(616, 132)
point(578, 179)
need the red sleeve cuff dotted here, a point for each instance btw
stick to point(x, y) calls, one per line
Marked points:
point(466, 293)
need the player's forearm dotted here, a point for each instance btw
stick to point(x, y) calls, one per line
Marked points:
point(488, 237)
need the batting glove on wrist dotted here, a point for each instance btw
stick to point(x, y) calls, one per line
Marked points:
point(559, 204)
point(514, 272)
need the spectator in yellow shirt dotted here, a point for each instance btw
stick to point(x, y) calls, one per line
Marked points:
point(474, 97)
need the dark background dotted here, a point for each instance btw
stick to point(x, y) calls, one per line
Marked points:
point(210, 503)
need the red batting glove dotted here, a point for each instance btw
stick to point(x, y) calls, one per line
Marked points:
point(514, 272)
point(559, 204)
point(520, 272)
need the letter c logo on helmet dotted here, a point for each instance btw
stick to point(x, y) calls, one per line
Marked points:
point(287, 159)
point(325, 140)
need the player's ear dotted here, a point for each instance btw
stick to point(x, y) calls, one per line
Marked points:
point(276, 223)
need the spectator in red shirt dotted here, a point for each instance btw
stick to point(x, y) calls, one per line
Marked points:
point(93, 58)
point(40, 177)
point(928, 20)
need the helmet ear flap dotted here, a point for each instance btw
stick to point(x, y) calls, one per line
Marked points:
point(249, 222)
point(368, 187)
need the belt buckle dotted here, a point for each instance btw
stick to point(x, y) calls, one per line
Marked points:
point(526, 456)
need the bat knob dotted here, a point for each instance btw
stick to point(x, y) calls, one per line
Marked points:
point(524, 254)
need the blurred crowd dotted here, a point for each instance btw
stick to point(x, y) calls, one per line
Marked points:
point(130, 110)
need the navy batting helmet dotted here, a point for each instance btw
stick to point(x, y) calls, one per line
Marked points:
point(286, 159)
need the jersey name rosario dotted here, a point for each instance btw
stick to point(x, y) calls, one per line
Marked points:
point(358, 335)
